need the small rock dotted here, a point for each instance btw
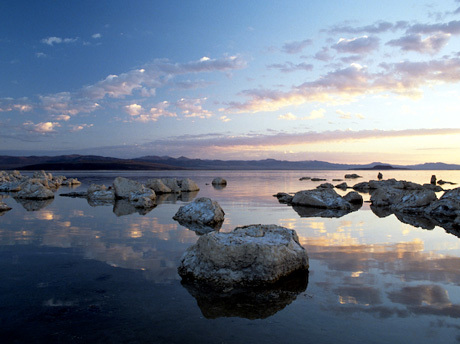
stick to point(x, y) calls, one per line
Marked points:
point(352, 176)
point(219, 181)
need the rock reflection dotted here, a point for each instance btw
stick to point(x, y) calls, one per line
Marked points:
point(249, 303)
point(321, 212)
point(419, 220)
point(200, 229)
point(123, 207)
point(34, 205)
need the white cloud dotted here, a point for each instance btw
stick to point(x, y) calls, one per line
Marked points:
point(42, 127)
point(96, 36)
point(357, 45)
point(288, 117)
point(349, 115)
point(62, 118)
point(57, 40)
point(224, 119)
point(193, 108)
point(296, 47)
point(316, 114)
point(134, 109)
point(75, 128)
point(139, 114)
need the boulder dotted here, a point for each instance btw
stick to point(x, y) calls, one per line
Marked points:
point(325, 186)
point(447, 206)
point(342, 186)
point(4, 207)
point(202, 211)
point(353, 198)
point(188, 185)
point(363, 187)
point(219, 181)
point(320, 198)
point(172, 184)
point(100, 193)
point(10, 186)
point(314, 179)
point(34, 190)
point(352, 176)
point(304, 178)
point(131, 190)
point(284, 197)
point(414, 201)
point(248, 256)
point(158, 186)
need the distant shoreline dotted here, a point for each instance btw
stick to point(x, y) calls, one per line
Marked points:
point(157, 163)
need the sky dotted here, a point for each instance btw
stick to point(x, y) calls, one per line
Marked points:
point(345, 82)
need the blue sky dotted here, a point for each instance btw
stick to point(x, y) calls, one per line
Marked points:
point(338, 81)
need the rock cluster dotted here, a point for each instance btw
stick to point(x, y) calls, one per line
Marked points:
point(310, 203)
point(38, 187)
point(172, 185)
point(246, 257)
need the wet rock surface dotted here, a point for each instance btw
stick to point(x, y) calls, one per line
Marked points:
point(202, 215)
point(248, 256)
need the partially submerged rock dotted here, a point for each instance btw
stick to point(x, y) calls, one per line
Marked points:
point(320, 198)
point(4, 207)
point(34, 190)
point(172, 185)
point(202, 215)
point(248, 256)
point(219, 181)
point(352, 176)
point(342, 186)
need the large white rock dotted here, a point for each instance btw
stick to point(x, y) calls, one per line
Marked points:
point(188, 185)
point(34, 190)
point(320, 198)
point(157, 185)
point(447, 206)
point(248, 256)
point(131, 190)
point(100, 193)
point(202, 211)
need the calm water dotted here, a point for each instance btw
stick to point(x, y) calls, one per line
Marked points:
point(72, 272)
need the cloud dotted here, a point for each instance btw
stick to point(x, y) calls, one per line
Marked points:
point(62, 118)
point(414, 42)
point(139, 114)
point(378, 27)
point(96, 36)
point(9, 104)
point(141, 82)
point(316, 114)
point(323, 55)
point(296, 46)
point(289, 67)
point(348, 115)
point(288, 117)
point(79, 127)
point(357, 45)
point(193, 108)
point(224, 119)
point(191, 142)
point(42, 127)
point(40, 55)
point(57, 40)
point(452, 27)
point(344, 84)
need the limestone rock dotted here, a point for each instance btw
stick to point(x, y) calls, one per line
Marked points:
point(320, 198)
point(100, 193)
point(157, 185)
point(342, 186)
point(202, 211)
point(188, 185)
point(352, 176)
point(4, 207)
point(219, 181)
point(248, 256)
point(325, 186)
point(34, 190)
point(447, 206)
point(131, 190)
point(353, 198)
point(284, 197)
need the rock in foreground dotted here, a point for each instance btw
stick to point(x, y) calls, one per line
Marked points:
point(248, 256)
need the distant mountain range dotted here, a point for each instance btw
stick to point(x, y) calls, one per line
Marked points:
point(94, 162)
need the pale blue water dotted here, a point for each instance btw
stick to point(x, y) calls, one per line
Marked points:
point(71, 272)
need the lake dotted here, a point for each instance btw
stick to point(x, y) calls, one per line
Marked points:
point(74, 272)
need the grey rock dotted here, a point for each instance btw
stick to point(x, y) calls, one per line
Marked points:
point(202, 211)
point(320, 198)
point(248, 256)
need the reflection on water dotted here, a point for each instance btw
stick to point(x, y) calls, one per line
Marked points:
point(385, 269)
point(250, 303)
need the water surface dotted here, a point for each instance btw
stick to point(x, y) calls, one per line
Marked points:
point(73, 272)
